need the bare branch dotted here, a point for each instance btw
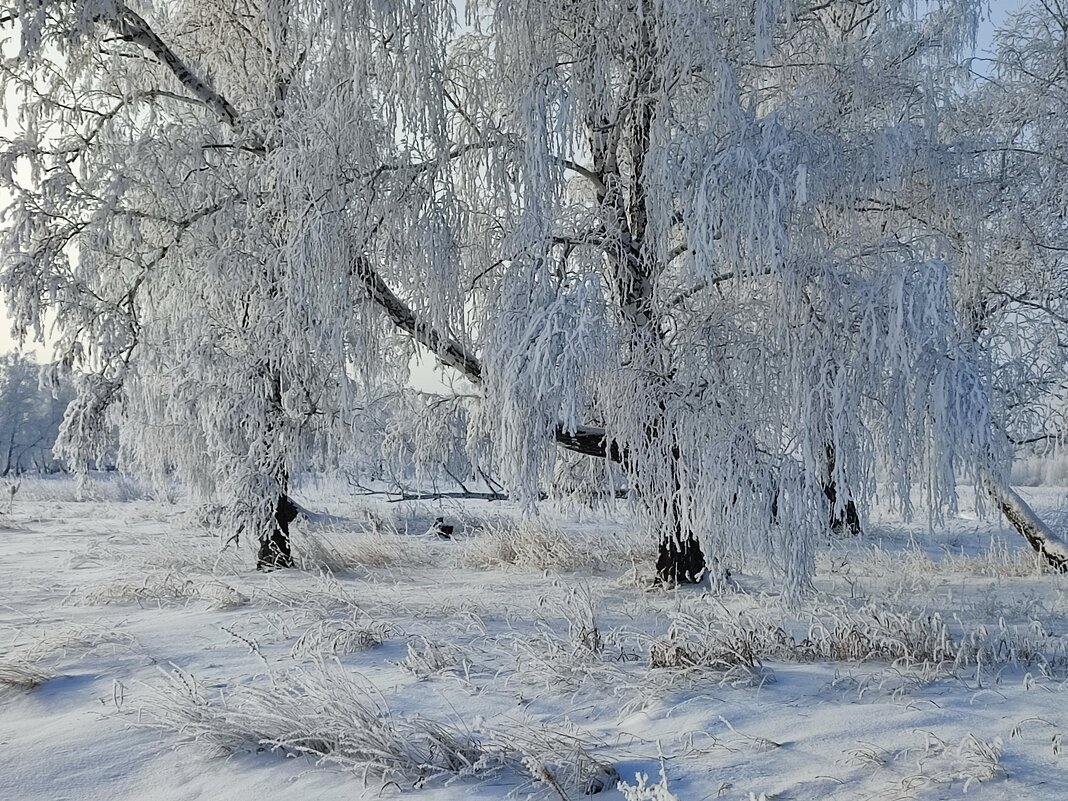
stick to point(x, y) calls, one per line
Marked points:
point(132, 27)
point(587, 440)
point(705, 283)
point(1031, 304)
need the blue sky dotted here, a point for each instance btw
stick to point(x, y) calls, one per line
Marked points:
point(998, 10)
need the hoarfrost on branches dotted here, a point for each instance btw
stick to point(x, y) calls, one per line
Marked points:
point(716, 243)
point(761, 211)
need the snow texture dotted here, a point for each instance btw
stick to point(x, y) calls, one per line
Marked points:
point(141, 660)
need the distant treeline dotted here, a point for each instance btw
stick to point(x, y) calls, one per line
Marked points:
point(31, 411)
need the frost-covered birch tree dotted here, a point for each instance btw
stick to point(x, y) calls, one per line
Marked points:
point(30, 415)
point(1017, 116)
point(678, 234)
point(714, 251)
point(1014, 140)
point(190, 200)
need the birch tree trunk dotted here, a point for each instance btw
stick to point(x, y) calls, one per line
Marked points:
point(845, 520)
point(1046, 542)
point(275, 550)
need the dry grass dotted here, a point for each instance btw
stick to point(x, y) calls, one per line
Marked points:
point(30, 660)
point(183, 553)
point(168, 589)
point(724, 641)
point(642, 790)
point(932, 763)
point(915, 569)
point(339, 636)
point(533, 544)
point(426, 659)
point(732, 654)
point(325, 597)
point(61, 488)
point(327, 713)
point(338, 551)
point(21, 673)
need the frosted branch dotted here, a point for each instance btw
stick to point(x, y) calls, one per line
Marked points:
point(132, 27)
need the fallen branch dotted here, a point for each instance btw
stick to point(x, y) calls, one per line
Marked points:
point(433, 496)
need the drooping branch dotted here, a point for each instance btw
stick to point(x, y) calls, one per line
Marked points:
point(446, 349)
point(587, 440)
point(1031, 304)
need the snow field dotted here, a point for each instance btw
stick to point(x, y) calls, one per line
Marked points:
point(522, 659)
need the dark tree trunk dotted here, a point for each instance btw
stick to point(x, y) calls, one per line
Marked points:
point(680, 559)
point(275, 551)
point(10, 450)
point(846, 521)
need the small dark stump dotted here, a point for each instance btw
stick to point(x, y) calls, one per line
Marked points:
point(440, 529)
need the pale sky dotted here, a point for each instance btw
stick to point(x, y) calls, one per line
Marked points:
point(998, 9)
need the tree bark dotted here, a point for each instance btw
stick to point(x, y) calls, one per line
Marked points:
point(1023, 518)
point(624, 204)
point(680, 559)
point(847, 520)
point(133, 28)
point(275, 551)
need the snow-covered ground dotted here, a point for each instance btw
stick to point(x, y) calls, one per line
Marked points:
point(523, 659)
